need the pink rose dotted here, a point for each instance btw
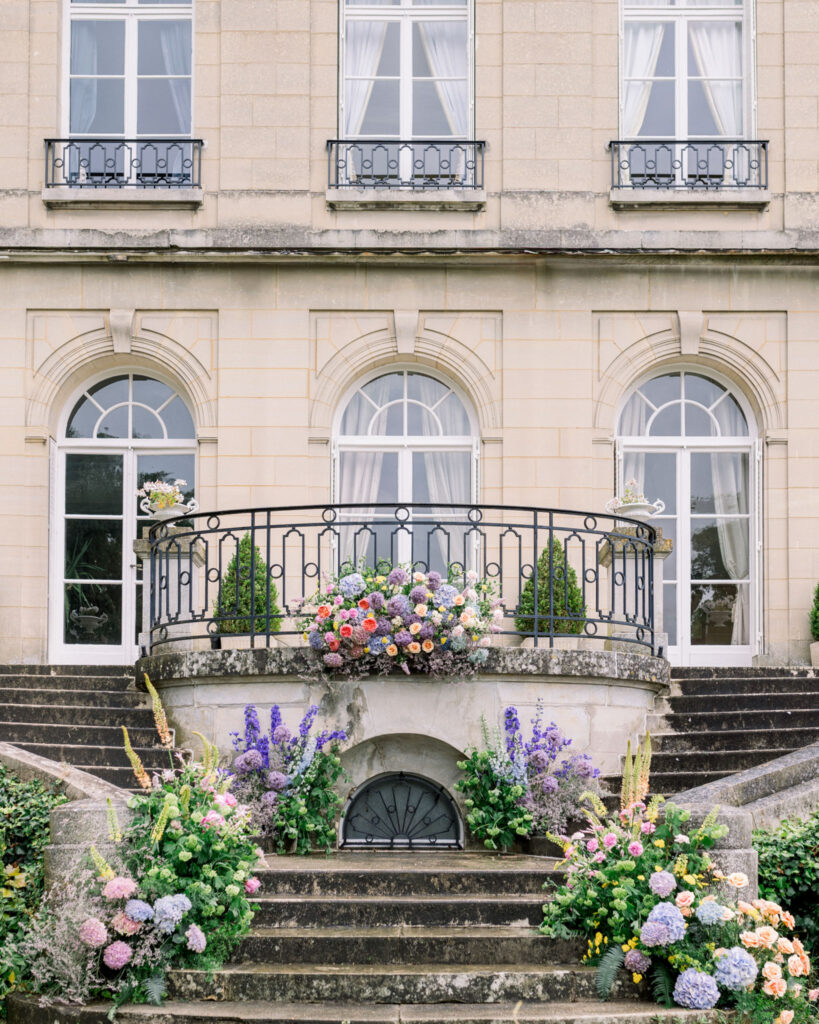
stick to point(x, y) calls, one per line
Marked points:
point(684, 899)
point(813, 994)
point(252, 885)
point(609, 840)
point(635, 848)
point(230, 800)
point(212, 818)
point(648, 827)
point(592, 846)
point(600, 857)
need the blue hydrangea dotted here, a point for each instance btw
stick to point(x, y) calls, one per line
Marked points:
point(696, 990)
point(169, 911)
point(352, 585)
point(398, 605)
point(654, 934)
point(662, 883)
point(709, 913)
point(736, 969)
point(667, 914)
point(316, 640)
point(445, 595)
point(138, 910)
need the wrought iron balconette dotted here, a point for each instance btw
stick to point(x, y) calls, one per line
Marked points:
point(123, 163)
point(689, 164)
point(196, 569)
point(421, 164)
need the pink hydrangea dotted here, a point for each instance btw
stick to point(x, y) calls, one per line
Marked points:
point(648, 827)
point(93, 933)
point(609, 840)
point(600, 857)
point(123, 925)
point(592, 846)
point(196, 939)
point(635, 848)
point(212, 818)
point(252, 885)
point(119, 888)
point(117, 955)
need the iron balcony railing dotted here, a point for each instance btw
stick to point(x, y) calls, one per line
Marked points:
point(424, 164)
point(123, 163)
point(689, 164)
point(198, 569)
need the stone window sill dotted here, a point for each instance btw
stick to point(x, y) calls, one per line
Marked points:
point(677, 199)
point(465, 199)
point(123, 199)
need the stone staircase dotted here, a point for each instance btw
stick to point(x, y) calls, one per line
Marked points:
point(383, 938)
point(73, 714)
point(718, 721)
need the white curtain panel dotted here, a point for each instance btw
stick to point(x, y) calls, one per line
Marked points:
point(446, 49)
point(717, 50)
point(176, 57)
point(729, 473)
point(642, 51)
point(84, 56)
point(633, 420)
point(362, 55)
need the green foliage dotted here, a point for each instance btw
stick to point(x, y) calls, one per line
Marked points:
point(235, 592)
point(662, 983)
point(610, 963)
point(814, 615)
point(789, 872)
point(24, 817)
point(557, 583)
point(306, 812)
point(493, 812)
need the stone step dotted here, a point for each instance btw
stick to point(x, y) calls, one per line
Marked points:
point(700, 759)
point(734, 672)
point(740, 739)
point(406, 945)
point(750, 701)
point(380, 911)
point(82, 671)
point(97, 735)
point(153, 757)
point(722, 721)
point(122, 777)
point(74, 698)
point(64, 714)
point(672, 783)
point(618, 1011)
point(363, 983)
point(751, 684)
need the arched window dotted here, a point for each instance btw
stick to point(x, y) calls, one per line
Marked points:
point(405, 438)
point(120, 432)
point(687, 438)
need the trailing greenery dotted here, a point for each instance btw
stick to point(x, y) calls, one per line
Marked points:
point(789, 871)
point(493, 811)
point(235, 592)
point(306, 813)
point(24, 818)
point(557, 583)
point(814, 615)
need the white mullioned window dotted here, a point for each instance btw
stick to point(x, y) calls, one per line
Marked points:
point(406, 69)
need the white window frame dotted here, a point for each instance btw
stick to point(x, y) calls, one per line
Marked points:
point(405, 13)
point(702, 654)
point(131, 12)
point(681, 13)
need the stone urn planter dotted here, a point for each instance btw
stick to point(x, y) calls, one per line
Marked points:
point(642, 510)
point(163, 512)
point(814, 654)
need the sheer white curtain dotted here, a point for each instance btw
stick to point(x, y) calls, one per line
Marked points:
point(446, 49)
point(84, 58)
point(175, 39)
point(364, 44)
point(633, 420)
point(717, 50)
point(642, 51)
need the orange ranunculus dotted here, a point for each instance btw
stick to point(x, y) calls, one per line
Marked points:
point(346, 630)
point(771, 971)
point(750, 939)
point(364, 604)
point(333, 645)
point(784, 945)
point(369, 624)
point(767, 936)
point(427, 646)
point(414, 647)
point(776, 988)
point(323, 611)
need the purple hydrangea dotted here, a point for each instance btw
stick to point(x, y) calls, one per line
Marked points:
point(333, 660)
point(418, 595)
point(398, 577)
point(662, 883)
point(169, 911)
point(736, 969)
point(315, 640)
point(138, 910)
point(277, 781)
point(281, 734)
point(654, 934)
point(709, 913)
point(426, 632)
point(352, 585)
point(696, 990)
point(196, 939)
point(403, 637)
point(398, 605)
point(376, 600)
point(668, 915)
point(250, 761)
point(636, 961)
point(433, 581)
point(383, 627)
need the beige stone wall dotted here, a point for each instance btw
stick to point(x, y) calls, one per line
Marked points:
point(545, 349)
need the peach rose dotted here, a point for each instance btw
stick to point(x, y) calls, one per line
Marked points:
point(784, 945)
point(459, 600)
point(767, 936)
point(771, 971)
point(427, 646)
point(415, 627)
point(785, 1017)
point(420, 609)
point(392, 650)
point(813, 994)
point(414, 647)
point(788, 920)
point(737, 879)
point(779, 958)
point(776, 988)
point(795, 966)
point(684, 899)
point(750, 939)
point(746, 908)
point(798, 948)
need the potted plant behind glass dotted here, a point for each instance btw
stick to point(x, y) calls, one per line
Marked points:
point(558, 595)
point(634, 504)
point(231, 609)
point(164, 500)
point(814, 629)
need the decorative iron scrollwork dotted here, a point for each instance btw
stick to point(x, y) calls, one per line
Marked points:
point(401, 810)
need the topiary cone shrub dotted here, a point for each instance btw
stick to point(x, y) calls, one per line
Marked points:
point(814, 615)
point(235, 589)
point(565, 592)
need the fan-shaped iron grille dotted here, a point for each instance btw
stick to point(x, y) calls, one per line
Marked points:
point(401, 810)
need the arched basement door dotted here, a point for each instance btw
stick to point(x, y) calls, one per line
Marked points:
point(119, 433)
point(690, 440)
point(401, 811)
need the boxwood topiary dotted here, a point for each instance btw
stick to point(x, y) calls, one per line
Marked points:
point(569, 609)
point(814, 615)
point(789, 872)
point(232, 606)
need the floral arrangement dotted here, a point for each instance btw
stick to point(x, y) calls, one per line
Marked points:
point(162, 494)
point(175, 892)
point(516, 787)
point(632, 495)
point(288, 780)
point(376, 619)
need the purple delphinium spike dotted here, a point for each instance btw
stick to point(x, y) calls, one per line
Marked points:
point(252, 728)
point(306, 723)
point(511, 726)
point(275, 718)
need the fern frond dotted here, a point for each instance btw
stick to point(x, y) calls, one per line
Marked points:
point(662, 984)
point(155, 989)
point(610, 964)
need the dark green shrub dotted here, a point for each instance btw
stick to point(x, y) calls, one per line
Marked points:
point(567, 596)
point(235, 590)
point(814, 615)
point(24, 815)
point(492, 809)
point(789, 872)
